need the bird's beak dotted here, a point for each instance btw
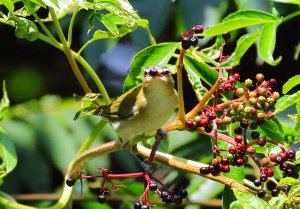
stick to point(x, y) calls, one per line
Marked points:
point(159, 74)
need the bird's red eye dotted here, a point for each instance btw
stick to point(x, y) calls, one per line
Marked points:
point(165, 72)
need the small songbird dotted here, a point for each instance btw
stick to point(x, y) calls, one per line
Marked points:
point(144, 108)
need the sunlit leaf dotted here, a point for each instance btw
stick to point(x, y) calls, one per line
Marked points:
point(291, 83)
point(267, 42)
point(228, 197)
point(9, 5)
point(288, 1)
point(204, 71)
point(278, 202)
point(286, 101)
point(240, 19)
point(159, 54)
point(250, 201)
point(289, 181)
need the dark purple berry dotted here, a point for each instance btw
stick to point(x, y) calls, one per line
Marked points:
point(153, 186)
point(261, 142)
point(244, 124)
point(198, 29)
point(204, 170)
point(261, 193)
point(257, 182)
point(186, 43)
point(226, 36)
point(137, 205)
point(70, 182)
point(238, 130)
point(183, 193)
point(101, 199)
point(291, 154)
point(214, 170)
point(164, 194)
point(253, 125)
point(207, 129)
point(263, 177)
point(278, 159)
point(194, 41)
point(273, 82)
point(212, 115)
point(275, 192)
point(254, 135)
point(145, 207)
point(177, 199)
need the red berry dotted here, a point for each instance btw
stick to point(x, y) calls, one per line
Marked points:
point(259, 77)
point(238, 139)
point(204, 122)
point(273, 82)
point(189, 123)
point(273, 157)
point(232, 149)
point(225, 168)
point(238, 130)
point(261, 142)
point(284, 156)
point(254, 135)
point(224, 161)
point(263, 177)
point(269, 173)
point(239, 162)
point(244, 124)
point(236, 76)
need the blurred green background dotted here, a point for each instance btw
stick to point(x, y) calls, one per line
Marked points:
point(40, 86)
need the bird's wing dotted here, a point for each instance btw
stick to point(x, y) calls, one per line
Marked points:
point(121, 108)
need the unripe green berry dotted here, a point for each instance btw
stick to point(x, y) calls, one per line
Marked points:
point(275, 95)
point(248, 83)
point(252, 94)
point(240, 92)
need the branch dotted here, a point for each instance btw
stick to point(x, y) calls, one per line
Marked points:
point(188, 166)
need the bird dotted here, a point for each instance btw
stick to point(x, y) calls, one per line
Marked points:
point(144, 108)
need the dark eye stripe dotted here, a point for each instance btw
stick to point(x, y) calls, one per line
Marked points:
point(153, 72)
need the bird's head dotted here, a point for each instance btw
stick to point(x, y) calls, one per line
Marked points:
point(158, 73)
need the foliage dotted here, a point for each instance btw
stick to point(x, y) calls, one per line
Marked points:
point(48, 123)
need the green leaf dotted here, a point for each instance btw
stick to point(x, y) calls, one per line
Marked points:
point(237, 205)
point(53, 3)
point(291, 83)
point(271, 130)
point(7, 152)
point(288, 1)
point(9, 5)
point(289, 181)
point(249, 201)
point(25, 28)
point(227, 197)
point(159, 54)
point(295, 191)
point(201, 69)
point(240, 19)
point(4, 103)
point(243, 44)
point(212, 52)
point(267, 42)
point(278, 202)
point(286, 101)
point(109, 24)
point(297, 122)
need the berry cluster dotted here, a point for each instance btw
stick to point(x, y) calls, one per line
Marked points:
point(151, 184)
point(190, 38)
